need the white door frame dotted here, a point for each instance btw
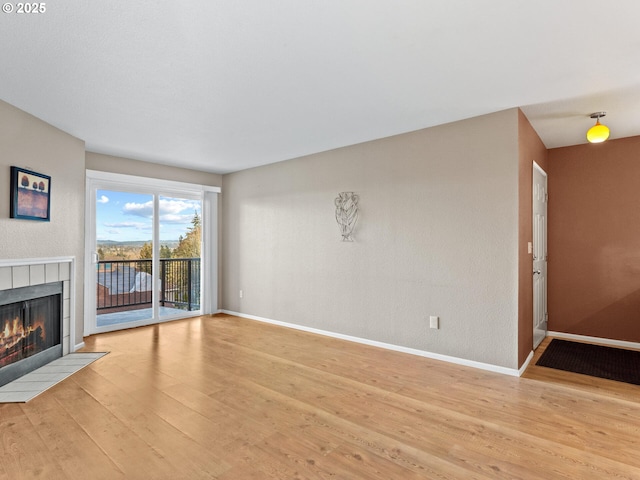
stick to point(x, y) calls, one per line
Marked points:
point(539, 270)
point(209, 283)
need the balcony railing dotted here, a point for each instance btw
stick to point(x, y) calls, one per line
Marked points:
point(128, 283)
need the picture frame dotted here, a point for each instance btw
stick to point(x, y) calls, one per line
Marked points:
point(30, 195)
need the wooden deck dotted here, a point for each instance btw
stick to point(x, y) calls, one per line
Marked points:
point(232, 399)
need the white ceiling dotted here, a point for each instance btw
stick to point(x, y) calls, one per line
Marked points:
point(224, 85)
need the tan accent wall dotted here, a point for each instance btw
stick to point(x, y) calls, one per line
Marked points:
point(594, 239)
point(437, 235)
point(530, 149)
point(27, 142)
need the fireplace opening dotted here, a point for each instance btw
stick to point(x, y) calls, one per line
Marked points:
point(30, 329)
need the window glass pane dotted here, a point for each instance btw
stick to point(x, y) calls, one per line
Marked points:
point(180, 247)
point(124, 237)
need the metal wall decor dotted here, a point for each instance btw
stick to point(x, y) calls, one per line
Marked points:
point(347, 214)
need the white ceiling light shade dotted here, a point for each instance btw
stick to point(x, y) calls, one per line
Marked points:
point(598, 133)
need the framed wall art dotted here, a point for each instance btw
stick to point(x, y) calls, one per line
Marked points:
point(30, 195)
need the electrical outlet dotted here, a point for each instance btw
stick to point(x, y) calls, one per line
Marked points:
point(241, 293)
point(434, 322)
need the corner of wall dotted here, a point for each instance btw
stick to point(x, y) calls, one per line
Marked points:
point(530, 149)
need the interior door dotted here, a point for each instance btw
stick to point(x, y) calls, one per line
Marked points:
point(540, 202)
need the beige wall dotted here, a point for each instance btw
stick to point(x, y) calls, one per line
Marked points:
point(28, 142)
point(531, 149)
point(437, 235)
point(126, 166)
point(594, 239)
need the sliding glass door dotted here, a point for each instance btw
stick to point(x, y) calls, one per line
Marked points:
point(124, 261)
point(144, 254)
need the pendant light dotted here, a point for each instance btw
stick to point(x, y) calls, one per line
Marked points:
point(598, 133)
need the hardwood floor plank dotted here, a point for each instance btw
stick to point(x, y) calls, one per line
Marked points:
point(348, 420)
point(80, 459)
point(23, 454)
point(219, 397)
point(353, 439)
point(490, 444)
point(186, 455)
point(274, 459)
point(528, 408)
point(127, 451)
point(233, 424)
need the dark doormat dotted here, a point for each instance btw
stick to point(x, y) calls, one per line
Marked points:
point(595, 360)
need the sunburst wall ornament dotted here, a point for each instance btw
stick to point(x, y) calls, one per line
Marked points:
point(347, 214)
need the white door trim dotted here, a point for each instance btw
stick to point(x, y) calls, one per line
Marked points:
point(543, 268)
point(540, 169)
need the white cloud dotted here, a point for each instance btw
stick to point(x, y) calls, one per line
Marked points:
point(173, 206)
point(171, 210)
point(139, 209)
point(136, 225)
point(176, 219)
point(103, 199)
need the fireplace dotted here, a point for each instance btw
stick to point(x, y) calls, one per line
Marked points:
point(30, 328)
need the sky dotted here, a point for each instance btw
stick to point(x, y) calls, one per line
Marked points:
point(124, 216)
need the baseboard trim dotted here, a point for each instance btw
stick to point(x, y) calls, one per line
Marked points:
point(525, 364)
point(388, 346)
point(602, 341)
point(78, 347)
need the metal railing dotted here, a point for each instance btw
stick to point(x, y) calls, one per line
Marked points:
point(128, 283)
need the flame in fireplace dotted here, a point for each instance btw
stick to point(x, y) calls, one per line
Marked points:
point(14, 333)
point(8, 331)
point(15, 328)
point(12, 328)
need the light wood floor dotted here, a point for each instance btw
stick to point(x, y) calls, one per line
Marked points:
point(227, 398)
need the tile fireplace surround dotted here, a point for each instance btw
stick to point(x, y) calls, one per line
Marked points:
point(38, 271)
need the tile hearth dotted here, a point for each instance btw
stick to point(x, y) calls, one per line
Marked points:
point(34, 383)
